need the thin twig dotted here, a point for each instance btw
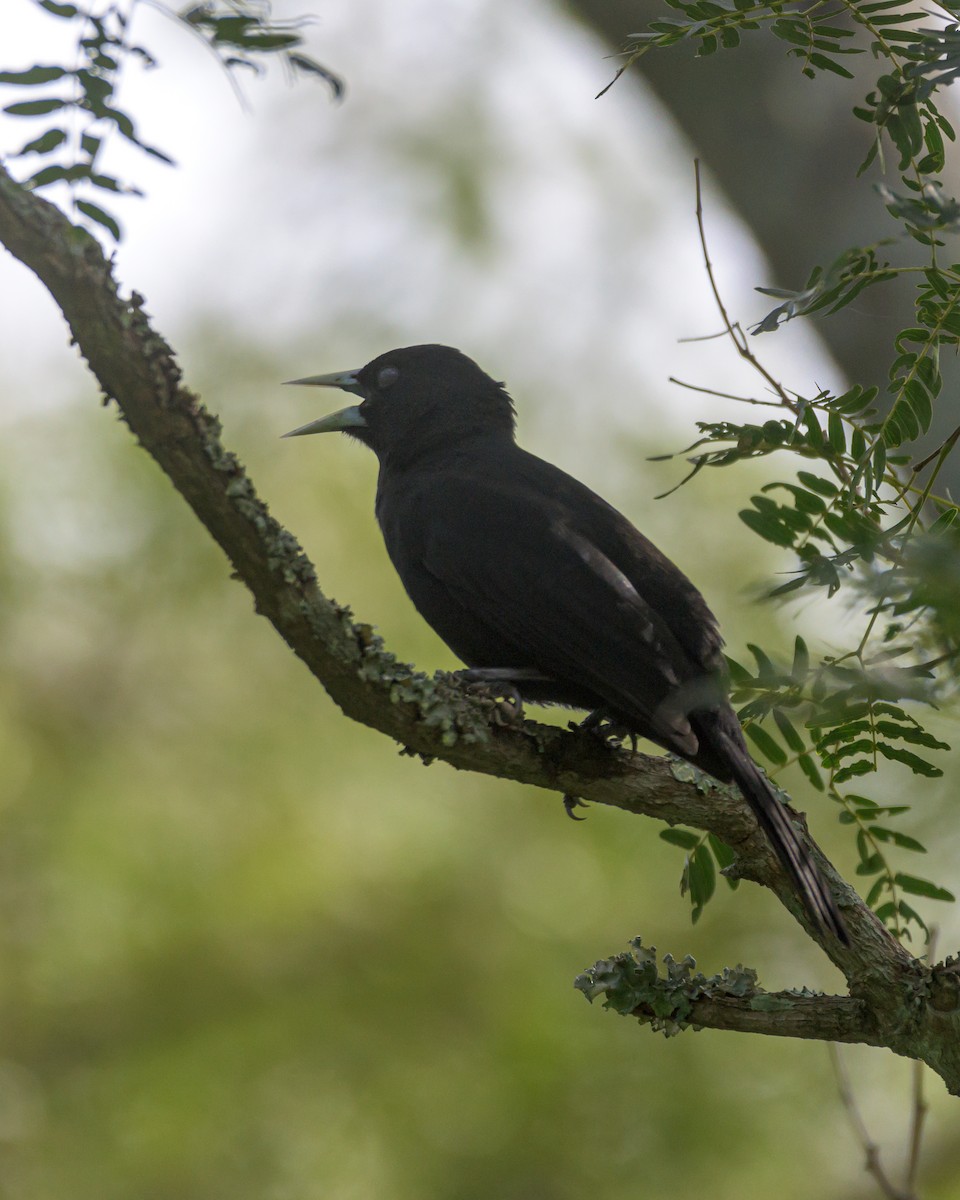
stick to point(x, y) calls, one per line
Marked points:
point(920, 1109)
point(695, 387)
point(739, 338)
point(245, 105)
point(870, 1148)
point(734, 331)
point(920, 1105)
point(702, 337)
point(946, 445)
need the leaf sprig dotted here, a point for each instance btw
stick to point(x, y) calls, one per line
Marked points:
point(808, 30)
point(81, 98)
point(863, 513)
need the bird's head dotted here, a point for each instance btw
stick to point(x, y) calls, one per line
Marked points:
point(415, 399)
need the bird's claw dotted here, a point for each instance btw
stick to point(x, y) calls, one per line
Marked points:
point(572, 802)
point(495, 686)
point(610, 731)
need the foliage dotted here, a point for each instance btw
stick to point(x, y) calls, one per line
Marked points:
point(81, 99)
point(209, 1019)
point(865, 513)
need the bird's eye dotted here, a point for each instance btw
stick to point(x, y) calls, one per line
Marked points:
point(387, 376)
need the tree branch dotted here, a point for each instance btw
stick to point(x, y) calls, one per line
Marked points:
point(434, 717)
point(785, 1014)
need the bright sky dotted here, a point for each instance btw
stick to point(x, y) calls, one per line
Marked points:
point(469, 189)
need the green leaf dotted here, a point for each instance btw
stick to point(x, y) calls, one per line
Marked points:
point(934, 143)
point(686, 839)
point(810, 769)
point(876, 6)
point(788, 732)
point(58, 174)
point(922, 887)
point(944, 521)
point(46, 143)
point(806, 501)
point(59, 10)
point(912, 733)
point(738, 673)
point(767, 527)
point(876, 891)
point(816, 484)
point(835, 433)
point(901, 425)
point(853, 402)
point(721, 851)
point(95, 213)
point(769, 748)
point(34, 108)
point(905, 128)
point(725, 857)
point(863, 802)
point(702, 876)
point(32, 77)
point(918, 765)
point(862, 766)
point(827, 64)
point(917, 397)
point(811, 423)
point(911, 914)
point(899, 839)
point(790, 30)
point(879, 461)
point(792, 585)
point(766, 671)
point(300, 62)
point(801, 660)
point(870, 865)
point(847, 750)
point(266, 42)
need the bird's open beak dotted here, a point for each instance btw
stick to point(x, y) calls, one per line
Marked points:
point(346, 381)
point(346, 418)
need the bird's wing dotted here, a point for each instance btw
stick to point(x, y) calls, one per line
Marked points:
point(656, 579)
point(522, 563)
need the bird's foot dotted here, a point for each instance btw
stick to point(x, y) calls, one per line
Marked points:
point(572, 802)
point(610, 731)
point(498, 683)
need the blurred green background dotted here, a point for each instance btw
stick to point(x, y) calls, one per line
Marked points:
point(246, 949)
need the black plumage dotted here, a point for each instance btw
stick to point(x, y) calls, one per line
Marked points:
point(527, 574)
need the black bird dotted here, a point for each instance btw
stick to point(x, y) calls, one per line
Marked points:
point(533, 580)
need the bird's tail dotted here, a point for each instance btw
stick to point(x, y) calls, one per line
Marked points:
point(775, 822)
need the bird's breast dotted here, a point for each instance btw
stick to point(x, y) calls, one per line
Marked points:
point(413, 514)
